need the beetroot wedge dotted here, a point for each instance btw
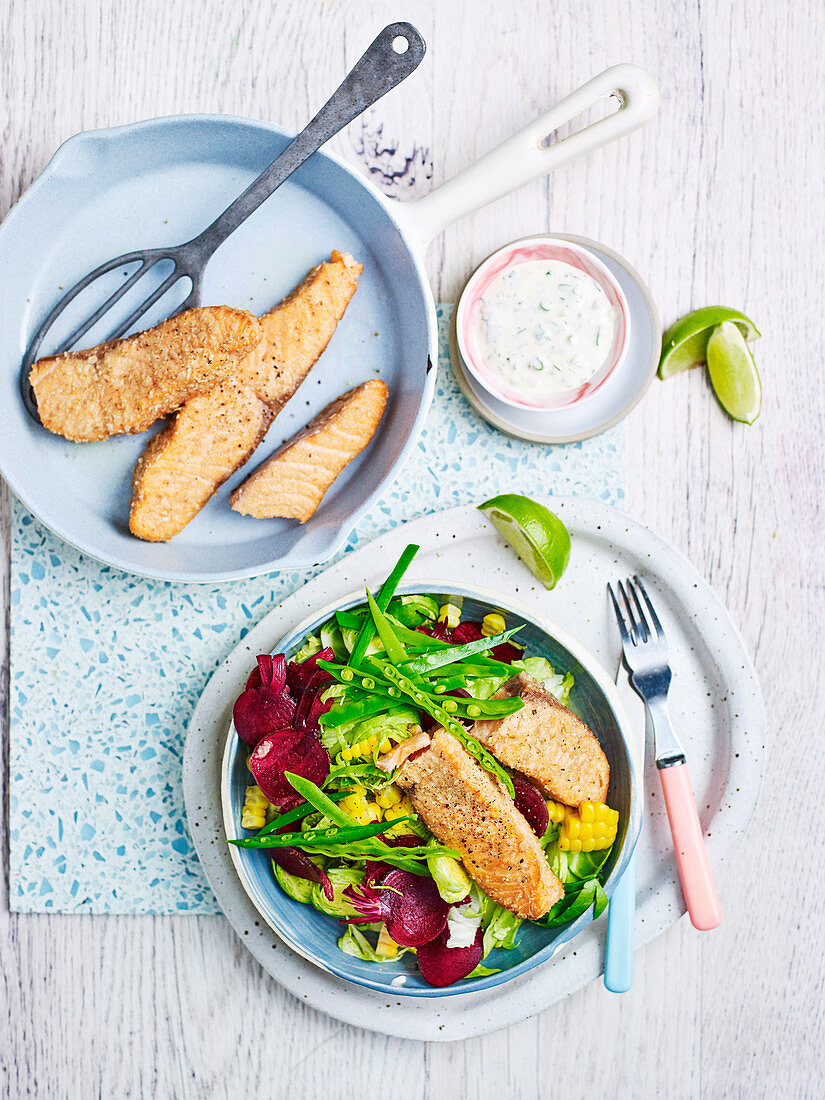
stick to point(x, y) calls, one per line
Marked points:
point(287, 750)
point(531, 805)
point(295, 862)
point(265, 704)
point(441, 965)
point(409, 905)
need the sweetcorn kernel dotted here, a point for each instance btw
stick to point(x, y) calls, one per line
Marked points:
point(449, 614)
point(492, 624)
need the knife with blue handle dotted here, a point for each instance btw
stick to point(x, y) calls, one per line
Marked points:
point(621, 913)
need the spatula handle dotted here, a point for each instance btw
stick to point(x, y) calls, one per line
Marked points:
point(395, 53)
point(691, 854)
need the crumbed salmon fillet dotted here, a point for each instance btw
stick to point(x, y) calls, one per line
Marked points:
point(293, 481)
point(213, 435)
point(299, 328)
point(548, 743)
point(124, 386)
point(469, 810)
point(185, 463)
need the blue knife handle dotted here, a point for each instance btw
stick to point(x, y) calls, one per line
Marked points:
point(618, 966)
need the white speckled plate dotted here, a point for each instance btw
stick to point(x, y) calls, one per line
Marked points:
point(715, 701)
point(613, 400)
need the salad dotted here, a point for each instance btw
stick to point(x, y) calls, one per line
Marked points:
point(334, 733)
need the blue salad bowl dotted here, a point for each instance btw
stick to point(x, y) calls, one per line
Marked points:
point(314, 935)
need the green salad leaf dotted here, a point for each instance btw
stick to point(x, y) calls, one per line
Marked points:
point(295, 887)
point(355, 943)
point(340, 878)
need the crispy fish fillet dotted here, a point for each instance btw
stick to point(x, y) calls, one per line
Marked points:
point(183, 465)
point(126, 385)
point(469, 810)
point(293, 481)
point(299, 328)
point(547, 743)
point(214, 434)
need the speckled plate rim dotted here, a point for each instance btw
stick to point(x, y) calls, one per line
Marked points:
point(578, 963)
point(507, 426)
point(599, 675)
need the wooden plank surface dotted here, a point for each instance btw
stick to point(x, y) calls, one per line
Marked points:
point(716, 200)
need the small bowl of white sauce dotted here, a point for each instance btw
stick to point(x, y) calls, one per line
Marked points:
point(542, 323)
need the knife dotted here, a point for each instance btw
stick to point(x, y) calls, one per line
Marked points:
point(621, 913)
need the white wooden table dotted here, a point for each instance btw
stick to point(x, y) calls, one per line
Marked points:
point(718, 200)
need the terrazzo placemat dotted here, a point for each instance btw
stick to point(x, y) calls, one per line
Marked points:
point(106, 668)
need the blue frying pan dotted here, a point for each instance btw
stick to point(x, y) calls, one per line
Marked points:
point(161, 181)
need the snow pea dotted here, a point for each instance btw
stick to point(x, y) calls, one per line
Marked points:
point(427, 662)
point(395, 650)
point(387, 592)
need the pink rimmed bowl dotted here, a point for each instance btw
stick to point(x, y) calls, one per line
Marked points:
point(518, 252)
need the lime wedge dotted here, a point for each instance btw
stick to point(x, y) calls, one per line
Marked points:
point(536, 534)
point(733, 373)
point(684, 345)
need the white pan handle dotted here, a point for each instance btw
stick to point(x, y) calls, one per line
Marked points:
point(522, 158)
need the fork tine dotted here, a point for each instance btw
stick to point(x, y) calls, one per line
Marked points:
point(170, 280)
point(646, 632)
point(635, 632)
point(654, 617)
point(619, 617)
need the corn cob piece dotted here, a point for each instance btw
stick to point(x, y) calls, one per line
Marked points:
point(255, 806)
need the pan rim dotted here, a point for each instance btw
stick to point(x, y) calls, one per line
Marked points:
point(58, 525)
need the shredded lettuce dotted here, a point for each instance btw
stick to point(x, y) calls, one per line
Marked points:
point(449, 875)
point(332, 638)
point(462, 925)
point(500, 927)
point(299, 889)
point(312, 645)
point(413, 611)
point(540, 669)
point(353, 942)
point(340, 878)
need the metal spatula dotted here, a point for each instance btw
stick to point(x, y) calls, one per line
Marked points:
point(395, 53)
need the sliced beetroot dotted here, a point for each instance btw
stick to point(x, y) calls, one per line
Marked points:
point(441, 965)
point(299, 673)
point(530, 803)
point(466, 632)
point(507, 653)
point(295, 862)
point(265, 704)
point(440, 631)
point(408, 840)
point(288, 750)
point(310, 706)
point(409, 905)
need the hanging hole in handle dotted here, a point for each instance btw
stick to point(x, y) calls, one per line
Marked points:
point(609, 105)
point(400, 44)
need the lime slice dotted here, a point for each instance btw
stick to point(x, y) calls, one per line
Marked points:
point(733, 373)
point(684, 345)
point(536, 534)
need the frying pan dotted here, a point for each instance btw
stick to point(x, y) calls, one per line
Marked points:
point(160, 180)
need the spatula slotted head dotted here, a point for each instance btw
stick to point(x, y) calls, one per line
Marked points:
point(137, 289)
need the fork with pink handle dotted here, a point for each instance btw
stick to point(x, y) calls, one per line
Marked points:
point(645, 651)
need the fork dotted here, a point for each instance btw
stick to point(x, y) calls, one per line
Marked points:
point(645, 654)
point(391, 57)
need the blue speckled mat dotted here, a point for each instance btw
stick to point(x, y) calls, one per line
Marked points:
point(106, 669)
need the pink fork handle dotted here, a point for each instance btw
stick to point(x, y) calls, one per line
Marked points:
point(689, 842)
